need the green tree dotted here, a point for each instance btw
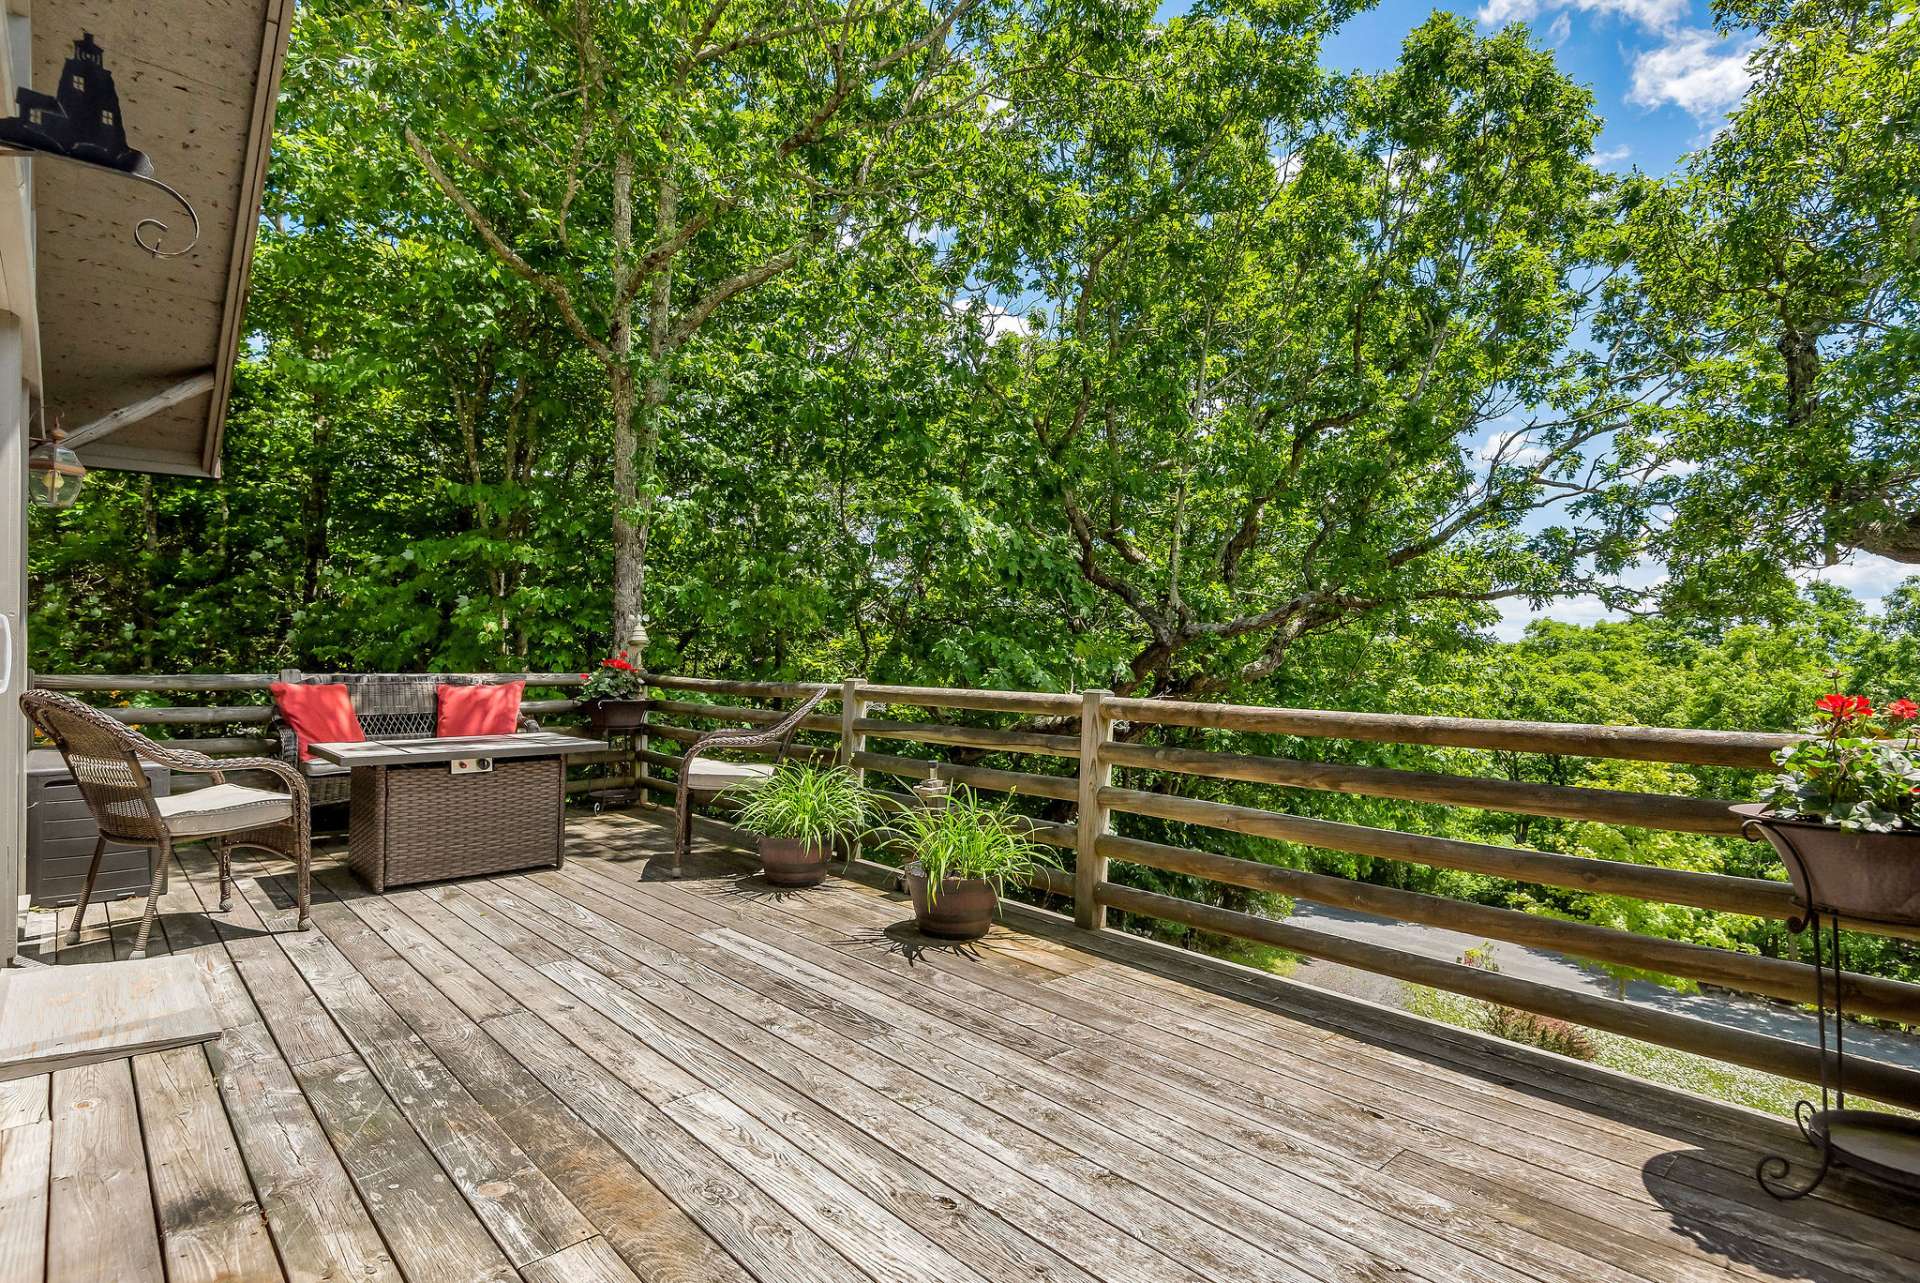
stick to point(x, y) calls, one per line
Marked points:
point(641, 166)
point(1299, 352)
point(1773, 309)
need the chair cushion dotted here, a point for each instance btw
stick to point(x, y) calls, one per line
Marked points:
point(711, 776)
point(222, 808)
point(317, 713)
point(493, 709)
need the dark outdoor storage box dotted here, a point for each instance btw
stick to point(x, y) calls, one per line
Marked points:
point(60, 834)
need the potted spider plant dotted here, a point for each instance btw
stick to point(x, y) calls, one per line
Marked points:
point(799, 813)
point(1844, 812)
point(614, 697)
point(963, 852)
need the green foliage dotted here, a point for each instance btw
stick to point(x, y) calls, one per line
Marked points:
point(1856, 769)
point(1545, 1032)
point(1548, 1033)
point(968, 838)
point(614, 677)
point(1143, 354)
point(817, 805)
point(1697, 1075)
point(1771, 307)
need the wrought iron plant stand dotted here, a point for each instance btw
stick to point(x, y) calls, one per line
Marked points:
point(1880, 1145)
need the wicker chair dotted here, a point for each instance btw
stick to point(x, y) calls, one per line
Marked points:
point(734, 737)
point(104, 758)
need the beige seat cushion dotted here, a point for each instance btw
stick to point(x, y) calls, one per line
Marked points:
point(710, 776)
point(222, 808)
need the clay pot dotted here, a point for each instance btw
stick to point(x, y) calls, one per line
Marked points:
point(1864, 877)
point(962, 911)
point(791, 862)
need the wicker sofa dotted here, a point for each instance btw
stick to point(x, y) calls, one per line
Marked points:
point(390, 706)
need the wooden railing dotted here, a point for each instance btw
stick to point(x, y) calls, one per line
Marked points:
point(219, 729)
point(1083, 776)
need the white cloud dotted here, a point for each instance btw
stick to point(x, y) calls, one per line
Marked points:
point(1608, 157)
point(996, 321)
point(1562, 28)
point(1696, 70)
point(1510, 448)
point(1866, 576)
point(1659, 15)
point(1517, 613)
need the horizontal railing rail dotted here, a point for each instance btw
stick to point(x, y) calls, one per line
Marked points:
point(1076, 781)
point(173, 719)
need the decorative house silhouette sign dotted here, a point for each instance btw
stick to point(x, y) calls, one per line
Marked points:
point(82, 120)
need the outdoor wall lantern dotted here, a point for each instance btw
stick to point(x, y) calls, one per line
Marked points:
point(82, 123)
point(54, 473)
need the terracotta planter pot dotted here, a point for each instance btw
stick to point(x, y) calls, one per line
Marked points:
point(962, 911)
point(790, 862)
point(614, 714)
point(1868, 877)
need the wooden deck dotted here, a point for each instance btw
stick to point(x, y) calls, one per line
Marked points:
point(586, 1076)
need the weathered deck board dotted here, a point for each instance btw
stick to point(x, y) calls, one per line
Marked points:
point(26, 1150)
point(852, 1089)
point(1459, 1219)
point(100, 1219)
point(1133, 1058)
point(1329, 1229)
point(320, 1228)
point(586, 1076)
point(637, 1220)
point(211, 1226)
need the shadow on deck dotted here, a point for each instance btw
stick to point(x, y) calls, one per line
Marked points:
point(594, 1074)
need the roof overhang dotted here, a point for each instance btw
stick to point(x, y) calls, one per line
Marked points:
point(137, 352)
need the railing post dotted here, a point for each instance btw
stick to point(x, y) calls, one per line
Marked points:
point(640, 742)
point(1091, 819)
point(852, 709)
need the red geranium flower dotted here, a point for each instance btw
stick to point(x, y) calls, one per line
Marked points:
point(1862, 706)
point(1903, 710)
point(586, 677)
point(1837, 705)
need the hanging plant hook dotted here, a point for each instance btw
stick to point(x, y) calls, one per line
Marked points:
point(160, 229)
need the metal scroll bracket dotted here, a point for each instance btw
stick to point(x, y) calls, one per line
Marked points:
point(1774, 1171)
point(149, 233)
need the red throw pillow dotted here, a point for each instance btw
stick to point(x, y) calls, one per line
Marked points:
point(480, 710)
point(319, 713)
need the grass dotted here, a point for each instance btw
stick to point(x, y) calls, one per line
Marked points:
point(1698, 1075)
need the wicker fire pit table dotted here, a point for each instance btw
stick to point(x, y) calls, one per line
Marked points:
point(426, 809)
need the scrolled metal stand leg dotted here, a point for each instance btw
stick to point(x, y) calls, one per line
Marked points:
point(1775, 1170)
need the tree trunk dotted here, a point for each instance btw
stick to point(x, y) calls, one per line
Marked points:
point(643, 439)
point(629, 543)
point(629, 547)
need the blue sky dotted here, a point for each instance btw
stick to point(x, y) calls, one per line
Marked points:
point(1663, 80)
point(1661, 76)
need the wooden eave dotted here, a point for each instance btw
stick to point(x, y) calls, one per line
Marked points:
point(141, 350)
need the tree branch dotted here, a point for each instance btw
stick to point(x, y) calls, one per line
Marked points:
point(555, 288)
